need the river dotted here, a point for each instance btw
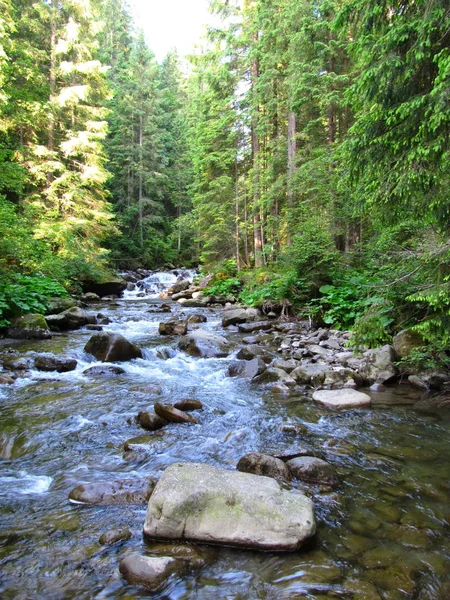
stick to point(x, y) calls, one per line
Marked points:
point(383, 534)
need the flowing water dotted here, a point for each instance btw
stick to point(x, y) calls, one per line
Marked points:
point(384, 533)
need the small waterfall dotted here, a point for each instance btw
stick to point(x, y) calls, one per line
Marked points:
point(156, 283)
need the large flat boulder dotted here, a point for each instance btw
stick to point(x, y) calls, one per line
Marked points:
point(340, 399)
point(235, 316)
point(201, 503)
point(105, 287)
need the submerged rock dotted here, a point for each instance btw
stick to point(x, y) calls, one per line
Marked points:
point(203, 344)
point(149, 571)
point(29, 327)
point(114, 535)
point(340, 399)
point(111, 347)
point(103, 371)
point(46, 362)
point(313, 470)
point(264, 464)
point(207, 504)
point(117, 492)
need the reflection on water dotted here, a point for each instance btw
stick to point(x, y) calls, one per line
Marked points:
point(382, 534)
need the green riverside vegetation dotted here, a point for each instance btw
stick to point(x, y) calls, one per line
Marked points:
point(303, 154)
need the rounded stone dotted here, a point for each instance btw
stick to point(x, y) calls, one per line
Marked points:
point(264, 464)
point(341, 399)
point(149, 571)
point(313, 470)
point(170, 413)
point(114, 535)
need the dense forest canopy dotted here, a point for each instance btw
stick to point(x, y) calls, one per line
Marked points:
point(305, 155)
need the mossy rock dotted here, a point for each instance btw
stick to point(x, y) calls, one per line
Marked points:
point(58, 305)
point(28, 327)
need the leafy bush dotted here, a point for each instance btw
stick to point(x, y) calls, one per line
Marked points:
point(267, 285)
point(225, 287)
point(23, 294)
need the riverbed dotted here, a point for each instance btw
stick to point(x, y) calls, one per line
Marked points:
point(382, 534)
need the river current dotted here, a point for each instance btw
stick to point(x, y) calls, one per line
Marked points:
point(383, 534)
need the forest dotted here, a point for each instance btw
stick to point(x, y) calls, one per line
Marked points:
point(302, 155)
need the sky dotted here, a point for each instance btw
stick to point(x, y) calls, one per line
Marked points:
point(169, 24)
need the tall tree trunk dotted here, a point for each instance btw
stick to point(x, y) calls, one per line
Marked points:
point(140, 201)
point(257, 237)
point(292, 151)
point(236, 196)
point(331, 108)
point(52, 76)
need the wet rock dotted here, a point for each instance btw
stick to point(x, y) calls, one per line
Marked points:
point(188, 404)
point(90, 297)
point(313, 470)
point(247, 368)
point(170, 413)
point(141, 443)
point(182, 295)
point(131, 286)
point(151, 421)
point(255, 326)
point(111, 347)
point(114, 535)
point(195, 302)
point(29, 327)
point(202, 503)
point(94, 328)
point(173, 327)
point(70, 319)
point(152, 572)
point(6, 379)
point(56, 322)
point(203, 344)
point(192, 556)
point(264, 464)
point(17, 364)
point(117, 492)
point(406, 341)
point(293, 429)
point(46, 362)
point(273, 375)
point(197, 319)
point(378, 365)
point(109, 286)
point(342, 399)
point(58, 305)
point(179, 286)
point(236, 316)
point(103, 371)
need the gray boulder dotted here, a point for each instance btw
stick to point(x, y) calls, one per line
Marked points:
point(111, 347)
point(235, 316)
point(29, 327)
point(204, 344)
point(264, 464)
point(405, 341)
point(313, 470)
point(341, 399)
point(152, 572)
point(57, 305)
point(311, 374)
point(197, 319)
point(378, 365)
point(247, 368)
point(274, 375)
point(117, 492)
point(179, 286)
point(255, 326)
point(46, 362)
point(201, 503)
